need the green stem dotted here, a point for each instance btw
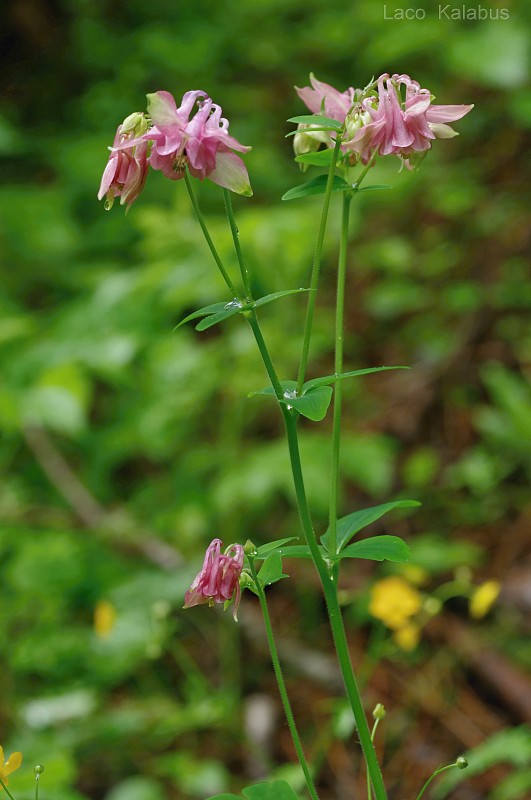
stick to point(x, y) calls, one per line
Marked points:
point(251, 314)
point(252, 319)
point(201, 220)
point(282, 685)
point(316, 266)
point(437, 772)
point(6, 789)
point(338, 367)
point(237, 246)
point(373, 734)
point(334, 612)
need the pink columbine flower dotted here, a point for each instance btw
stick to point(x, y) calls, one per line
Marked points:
point(200, 142)
point(321, 98)
point(219, 579)
point(127, 168)
point(400, 126)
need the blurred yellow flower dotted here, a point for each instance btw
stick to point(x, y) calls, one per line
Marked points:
point(104, 618)
point(13, 762)
point(394, 601)
point(483, 598)
point(415, 574)
point(407, 638)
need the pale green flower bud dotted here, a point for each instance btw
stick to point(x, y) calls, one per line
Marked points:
point(136, 124)
point(356, 120)
point(304, 142)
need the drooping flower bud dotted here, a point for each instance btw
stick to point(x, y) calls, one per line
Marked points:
point(219, 579)
point(127, 168)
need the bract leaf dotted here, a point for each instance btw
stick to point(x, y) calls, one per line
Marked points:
point(316, 186)
point(299, 551)
point(314, 403)
point(378, 548)
point(265, 549)
point(213, 308)
point(321, 158)
point(348, 526)
point(213, 319)
point(270, 298)
point(316, 119)
point(287, 386)
point(376, 187)
point(271, 570)
point(329, 379)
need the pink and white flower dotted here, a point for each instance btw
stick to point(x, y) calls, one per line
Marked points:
point(127, 167)
point(219, 579)
point(400, 126)
point(200, 142)
point(398, 118)
point(321, 98)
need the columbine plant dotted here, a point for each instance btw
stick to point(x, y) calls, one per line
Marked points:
point(346, 132)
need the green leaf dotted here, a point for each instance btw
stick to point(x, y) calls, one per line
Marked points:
point(348, 526)
point(314, 403)
point(271, 570)
point(376, 187)
point(378, 548)
point(276, 790)
point(299, 551)
point(316, 186)
point(270, 298)
point(213, 308)
point(287, 386)
point(225, 796)
point(321, 158)
point(328, 379)
point(265, 549)
point(212, 320)
point(314, 119)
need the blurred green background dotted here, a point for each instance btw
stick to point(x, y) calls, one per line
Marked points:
point(127, 447)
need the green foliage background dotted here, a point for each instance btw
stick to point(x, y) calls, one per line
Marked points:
point(126, 447)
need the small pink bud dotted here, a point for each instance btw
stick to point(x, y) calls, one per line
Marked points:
point(219, 579)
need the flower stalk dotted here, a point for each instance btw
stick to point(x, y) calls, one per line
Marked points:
point(338, 368)
point(316, 267)
point(277, 667)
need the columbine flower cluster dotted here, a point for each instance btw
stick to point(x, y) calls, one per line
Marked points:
point(171, 139)
point(394, 116)
point(219, 579)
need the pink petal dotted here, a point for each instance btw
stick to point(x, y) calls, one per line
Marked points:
point(162, 109)
point(447, 113)
point(231, 173)
point(108, 176)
